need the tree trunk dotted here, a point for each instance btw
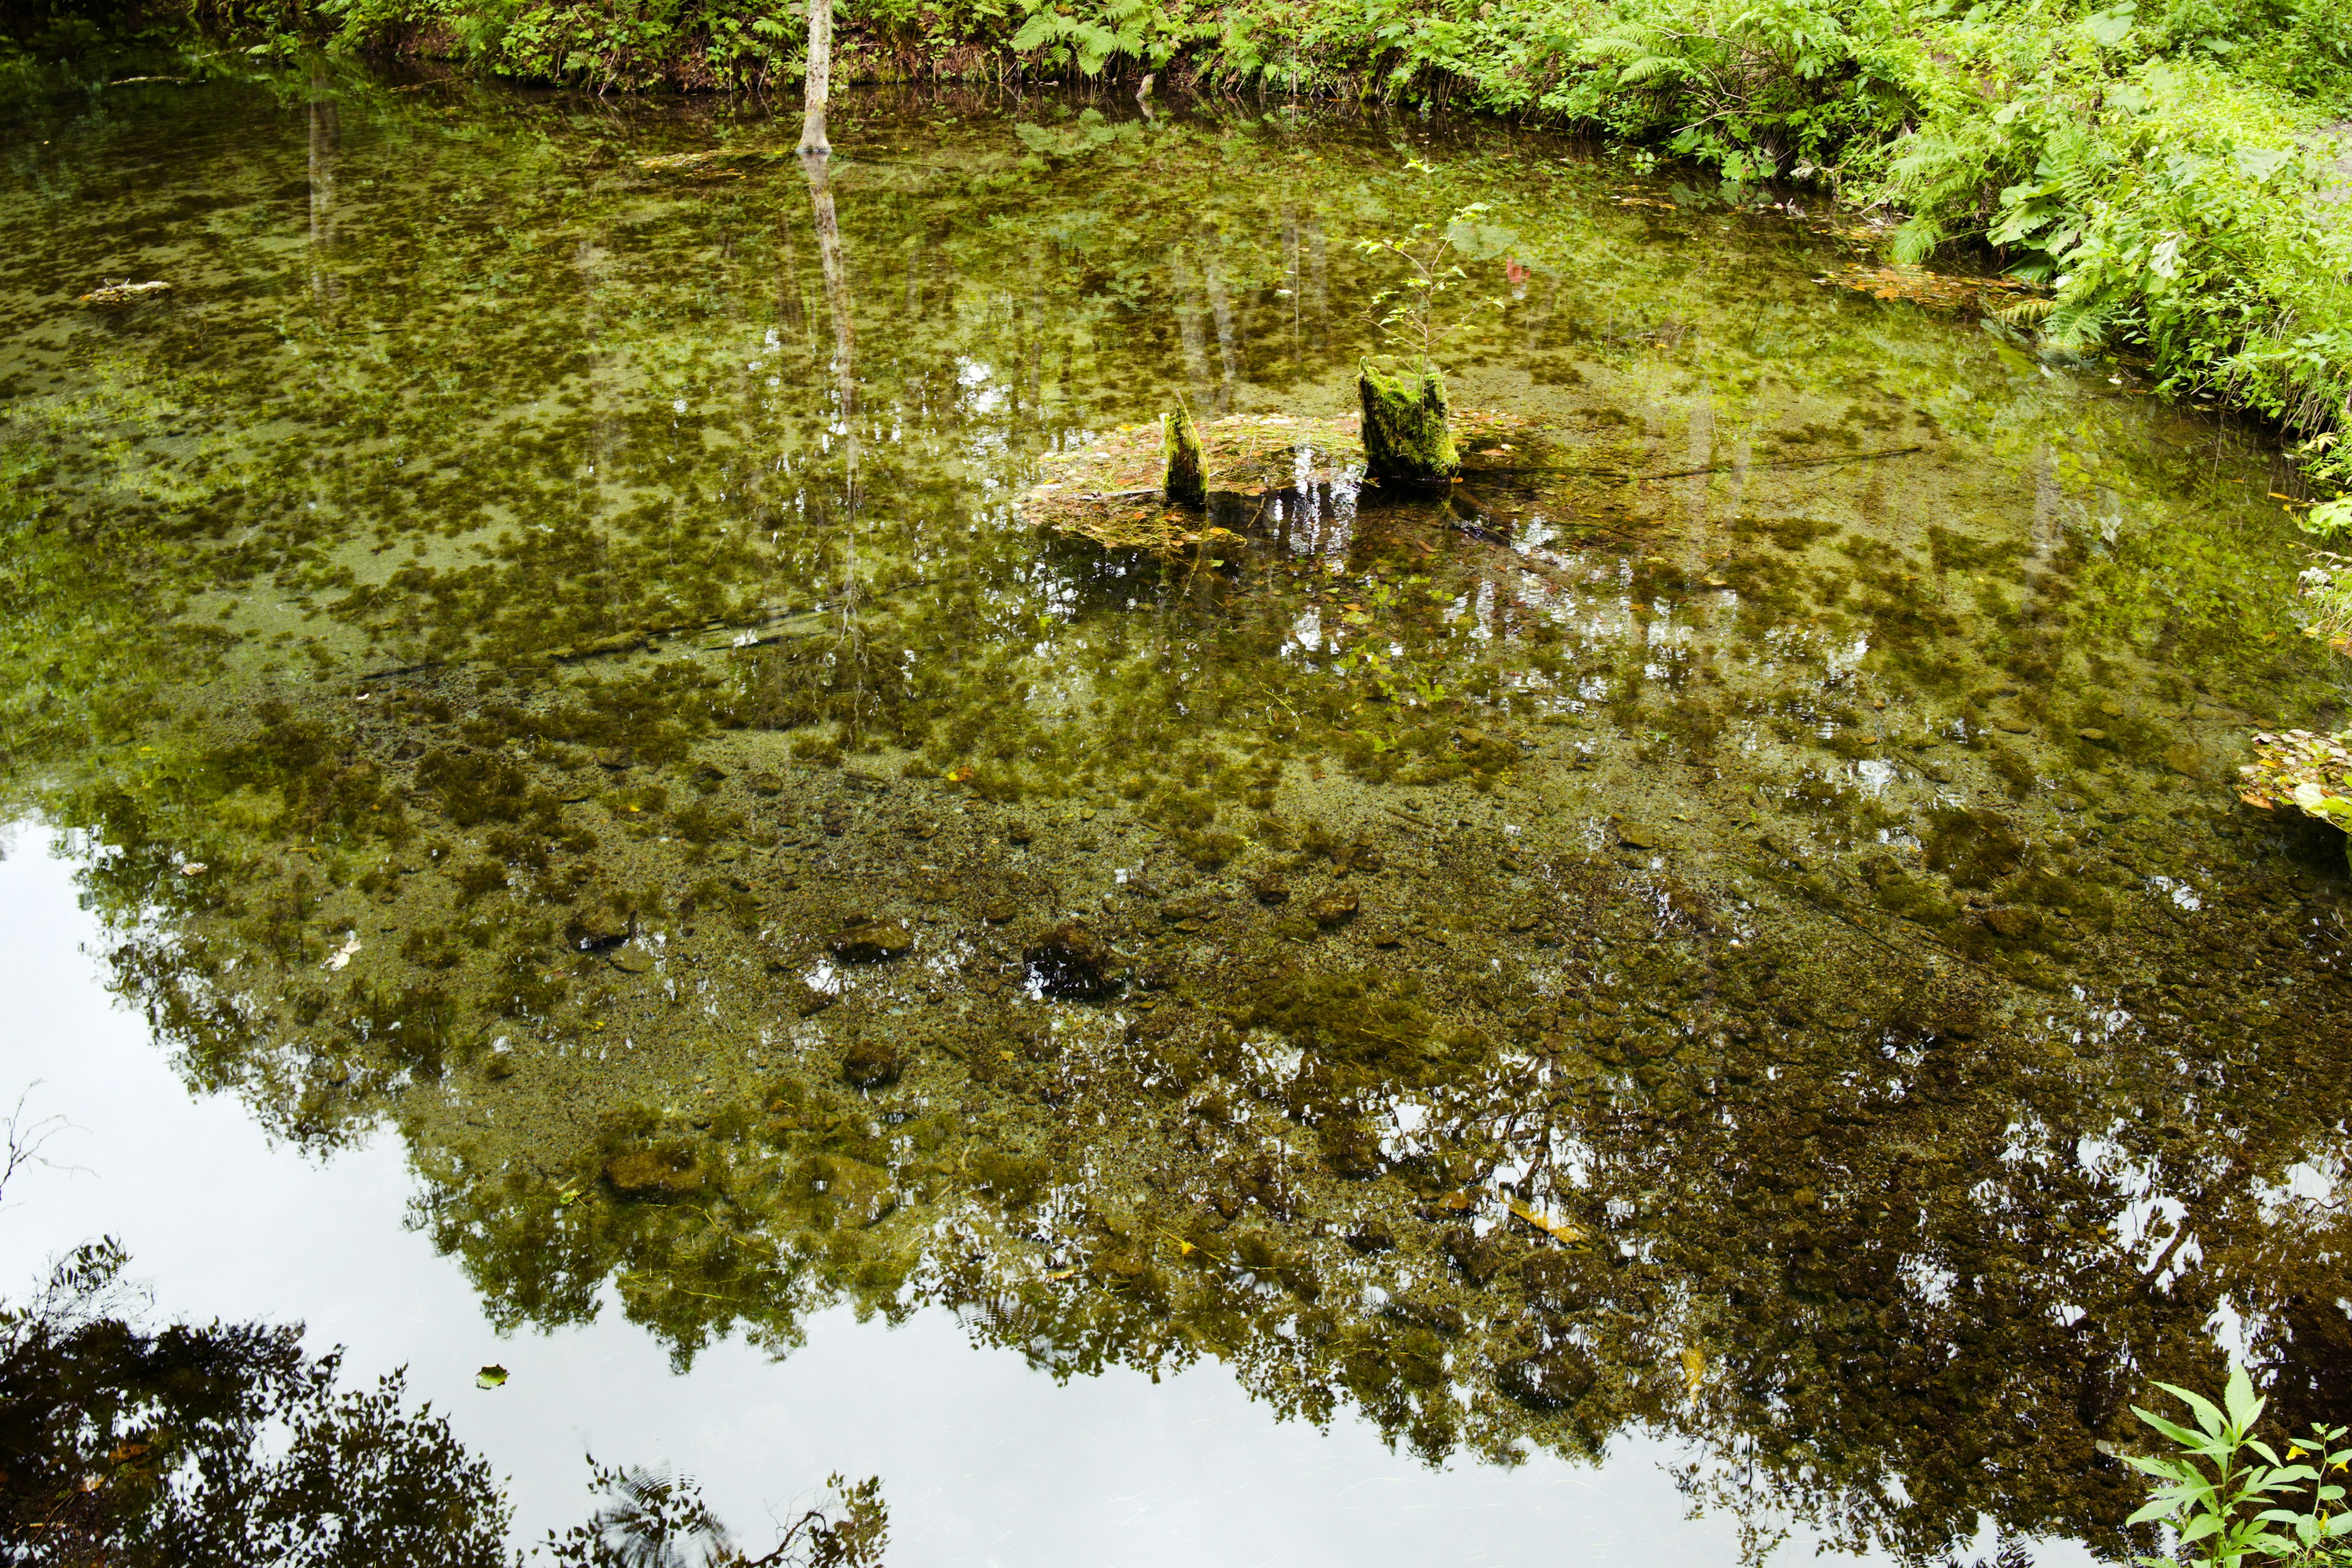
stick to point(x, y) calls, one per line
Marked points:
point(1406, 434)
point(817, 86)
point(1184, 483)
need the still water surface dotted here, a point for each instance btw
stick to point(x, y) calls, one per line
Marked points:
point(1726, 937)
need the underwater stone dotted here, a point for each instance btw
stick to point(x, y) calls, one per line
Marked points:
point(1069, 961)
point(1406, 432)
point(871, 1064)
point(1183, 482)
point(652, 1174)
point(632, 960)
point(1271, 888)
point(857, 1194)
point(872, 942)
point(1334, 909)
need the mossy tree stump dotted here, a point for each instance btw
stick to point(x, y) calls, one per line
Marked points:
point(1185, 483)
point(1407, 434)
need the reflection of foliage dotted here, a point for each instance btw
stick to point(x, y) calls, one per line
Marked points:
point(226, 1445)
point(653, 1521)
point(217, 1446)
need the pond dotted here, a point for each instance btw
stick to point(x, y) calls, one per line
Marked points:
point(1730, 954)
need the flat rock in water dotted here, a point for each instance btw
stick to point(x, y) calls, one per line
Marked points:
point(854, 1194)
point(1109, 491)
point(632, 960)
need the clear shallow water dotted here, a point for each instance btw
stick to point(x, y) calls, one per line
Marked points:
point(542, 655)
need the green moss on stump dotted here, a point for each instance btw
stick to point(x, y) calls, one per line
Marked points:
point(1184, 484)
point(1406, 434)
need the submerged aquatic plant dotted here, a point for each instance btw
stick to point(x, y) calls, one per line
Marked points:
point(2231, 1499)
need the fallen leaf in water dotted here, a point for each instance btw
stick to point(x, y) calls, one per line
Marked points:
point(491, 1376)
point(1557, 1230)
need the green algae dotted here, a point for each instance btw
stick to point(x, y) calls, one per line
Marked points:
point(414, 610)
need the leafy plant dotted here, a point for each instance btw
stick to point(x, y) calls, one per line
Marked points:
point(2226, 1493)
point(1410, 315)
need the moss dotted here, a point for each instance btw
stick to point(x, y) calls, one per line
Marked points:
point(1406, 434)
point(1183, 484)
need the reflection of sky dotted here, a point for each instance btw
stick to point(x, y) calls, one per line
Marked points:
point(983, 1459)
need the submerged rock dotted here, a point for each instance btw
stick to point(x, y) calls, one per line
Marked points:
point(855, 1194)
point(1070, 961)
point(872, 1063)
point(872, 942)
point(1334, 909)
point(653, 1173)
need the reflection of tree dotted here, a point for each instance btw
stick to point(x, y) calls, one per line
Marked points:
point(651, 1520)
point(217, 1447)
point(226, 1445)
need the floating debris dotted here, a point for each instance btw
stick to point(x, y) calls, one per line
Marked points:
point(490, 1376)
point(2311, 772)
point(1937, 290)
point(126, 292)
point(342, 955)
point(673, 162)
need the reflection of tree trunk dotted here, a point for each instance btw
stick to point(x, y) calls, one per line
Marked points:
point(1188, 327)
point(326, 136)
point(852, 652)
point(1220, 305)
point(818, 85)
point(1318, 285)
point(1292, 244)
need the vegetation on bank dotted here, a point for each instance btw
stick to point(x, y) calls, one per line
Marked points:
point(2227, 1499)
